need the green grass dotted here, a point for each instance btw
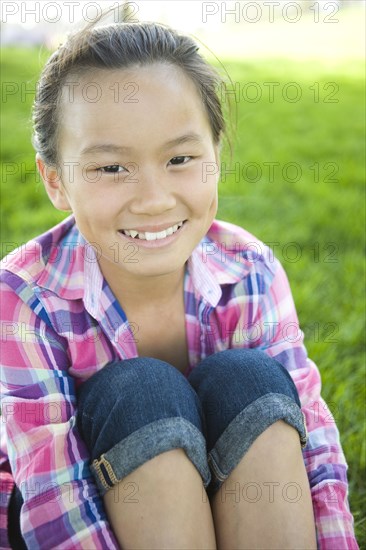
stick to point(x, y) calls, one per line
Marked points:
point(322, 213)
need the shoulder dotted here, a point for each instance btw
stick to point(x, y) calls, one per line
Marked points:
point(253, 282)
point(40, 258)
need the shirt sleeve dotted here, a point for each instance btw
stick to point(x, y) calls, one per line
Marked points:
point(325, 462)
point(49, 462)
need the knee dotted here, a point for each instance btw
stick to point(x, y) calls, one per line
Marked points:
point(244, 382)
point(125, 396)
point(240, 372)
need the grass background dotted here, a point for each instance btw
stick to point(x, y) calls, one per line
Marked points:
point(322, 213)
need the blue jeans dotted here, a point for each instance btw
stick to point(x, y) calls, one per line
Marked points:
point(133, 410)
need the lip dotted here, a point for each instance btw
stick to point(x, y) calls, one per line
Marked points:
point(157, 243)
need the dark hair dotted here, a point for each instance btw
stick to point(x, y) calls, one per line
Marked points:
point(118, 46)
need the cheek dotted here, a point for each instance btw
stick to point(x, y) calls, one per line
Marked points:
point(207, 196)
point(88, 197)
point(203, 182)
point(204, 203)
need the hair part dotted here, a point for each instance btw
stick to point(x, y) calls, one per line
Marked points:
point(118, 46)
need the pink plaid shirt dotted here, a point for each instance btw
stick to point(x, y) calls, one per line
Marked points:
point(61, 323)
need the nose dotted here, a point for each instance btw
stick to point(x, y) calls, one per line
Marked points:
point(153, 194)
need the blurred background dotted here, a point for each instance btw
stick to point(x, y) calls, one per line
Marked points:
point(295, 101)
point(304, 28)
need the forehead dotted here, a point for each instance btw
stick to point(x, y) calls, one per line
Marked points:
point(133, 102)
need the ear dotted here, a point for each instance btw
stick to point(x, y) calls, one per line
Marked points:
point(53, 184)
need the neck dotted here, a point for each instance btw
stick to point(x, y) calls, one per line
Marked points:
point(136, 293)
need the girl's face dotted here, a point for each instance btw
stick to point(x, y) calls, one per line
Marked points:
point(139, 167)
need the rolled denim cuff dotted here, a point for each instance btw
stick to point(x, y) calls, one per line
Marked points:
point(244, 429)
point(146, 443)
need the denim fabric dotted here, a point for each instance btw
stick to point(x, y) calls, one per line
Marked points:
point(133, 410)
point(243, 392)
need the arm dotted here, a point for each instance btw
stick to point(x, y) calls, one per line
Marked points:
point(323, 456)
point(62, 508)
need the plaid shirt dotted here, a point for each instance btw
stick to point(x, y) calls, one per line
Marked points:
point(61, 323)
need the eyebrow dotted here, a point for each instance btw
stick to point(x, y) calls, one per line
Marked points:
point(186, 138)
point(112, 148)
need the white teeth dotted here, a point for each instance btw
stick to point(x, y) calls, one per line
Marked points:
point(152, 236)
point(149, 236)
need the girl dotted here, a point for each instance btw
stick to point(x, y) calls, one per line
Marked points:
point(157, 393)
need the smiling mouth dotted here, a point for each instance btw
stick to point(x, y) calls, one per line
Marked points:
point(150, 236)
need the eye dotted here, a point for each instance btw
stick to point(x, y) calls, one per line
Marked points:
point(176, 161)
point(112, 169)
